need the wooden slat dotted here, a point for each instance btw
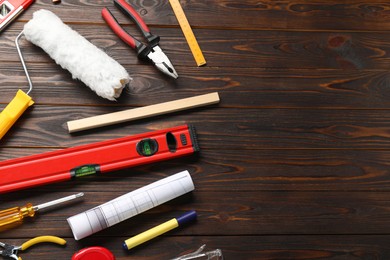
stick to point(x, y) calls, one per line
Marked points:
point(142, 112)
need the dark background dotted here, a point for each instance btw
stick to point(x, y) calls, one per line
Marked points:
point(294, 161)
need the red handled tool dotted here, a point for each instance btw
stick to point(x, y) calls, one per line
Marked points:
point(101, 157)
point(152, 50)
point(10, 9)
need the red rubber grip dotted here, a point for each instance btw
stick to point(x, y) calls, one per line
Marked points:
point(118, 30)
point(134, 15)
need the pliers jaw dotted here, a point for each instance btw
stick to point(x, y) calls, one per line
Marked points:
point(150, 51)
point(9, 251)
point(161, 61)
point(158, 57)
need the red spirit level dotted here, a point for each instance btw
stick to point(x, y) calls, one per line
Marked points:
point(101, 157)
point(10, 9)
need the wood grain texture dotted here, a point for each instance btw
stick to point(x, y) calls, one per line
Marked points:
point(349, 50)
point(268, 14)
point(294, 160)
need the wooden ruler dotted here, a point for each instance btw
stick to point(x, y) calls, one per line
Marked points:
point(188, 33)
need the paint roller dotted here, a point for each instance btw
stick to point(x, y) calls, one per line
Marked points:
point(71, 51)
point(19, 103)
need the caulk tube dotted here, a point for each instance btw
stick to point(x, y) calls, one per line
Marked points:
point(130, 204)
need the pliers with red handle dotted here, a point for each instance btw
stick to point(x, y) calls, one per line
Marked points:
point(150, 51)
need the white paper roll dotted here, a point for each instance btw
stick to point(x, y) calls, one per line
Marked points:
point(130, 204)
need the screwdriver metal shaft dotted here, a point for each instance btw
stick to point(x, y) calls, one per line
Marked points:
point(16, 214)
point(57, 201)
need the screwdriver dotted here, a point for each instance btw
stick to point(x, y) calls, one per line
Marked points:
point(16, 214)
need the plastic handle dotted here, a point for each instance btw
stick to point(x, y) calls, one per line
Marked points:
point(15, 215)
point(42, 239)
point(10, 216)
point(130, 11)
point(118, 30)
point(13, 111)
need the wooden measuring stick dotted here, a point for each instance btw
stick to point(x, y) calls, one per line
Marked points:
point(142, 112)
point(188, 33)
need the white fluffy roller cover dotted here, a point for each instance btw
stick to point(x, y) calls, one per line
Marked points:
point(73, 52)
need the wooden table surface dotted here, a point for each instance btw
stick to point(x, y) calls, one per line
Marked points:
point(294, 160)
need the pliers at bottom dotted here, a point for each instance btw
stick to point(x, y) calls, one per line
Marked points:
point(11, 251)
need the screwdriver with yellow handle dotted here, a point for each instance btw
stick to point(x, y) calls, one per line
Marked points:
point(17, 214)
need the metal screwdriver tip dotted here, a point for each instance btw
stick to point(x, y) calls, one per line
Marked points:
point(58, 201)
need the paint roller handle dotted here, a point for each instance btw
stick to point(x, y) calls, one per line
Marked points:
point(129, 11)
point(13, 111)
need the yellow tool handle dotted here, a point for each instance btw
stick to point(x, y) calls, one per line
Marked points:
point(16, 214)
point(42, 239)
point(13, 111)
point(10, 216)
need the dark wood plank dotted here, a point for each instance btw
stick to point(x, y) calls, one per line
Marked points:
point(268, 128)
point(245, 213)
point(251, 170)
point(239, 48)
point(227, 14)
point(276, 88)
point(54, 131)
point(233, 247)
point(293, 161)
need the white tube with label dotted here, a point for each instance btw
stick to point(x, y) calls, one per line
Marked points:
point(130, 204)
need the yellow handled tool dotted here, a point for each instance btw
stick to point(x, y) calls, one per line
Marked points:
point(13, 111)
point(19, 103)
point(11, 251)
point(17, 214)
point(42, 239)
